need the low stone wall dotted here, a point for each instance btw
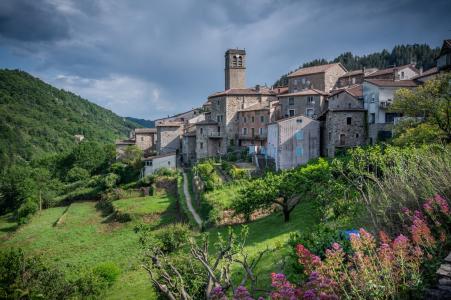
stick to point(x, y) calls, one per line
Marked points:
point(443, 288)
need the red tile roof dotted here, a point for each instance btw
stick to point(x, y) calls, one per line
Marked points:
point(314, 70)
point(392, 83)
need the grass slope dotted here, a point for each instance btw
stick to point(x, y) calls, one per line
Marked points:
point(83, 239)
point(37, 118)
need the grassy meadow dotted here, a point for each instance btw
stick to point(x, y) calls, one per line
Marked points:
point(84, 238)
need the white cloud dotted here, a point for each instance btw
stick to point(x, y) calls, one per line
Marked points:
point(124, 95)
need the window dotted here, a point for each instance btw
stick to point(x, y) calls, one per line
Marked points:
point(402, 75)
point(260, 131)
point(299, 151)
point(309, 112)
point(262, 119)
point(169, 163)
point(372, 118)
point(291, 101)
point(244, 120)
point(234, 61)
point(142, 139)
point(201, 131)
point(349, 105)
point(240, 61)
point(356, 135)
point(245, 131)
point(217, 102)
point(149, 163)
point(353, 80)
point(342, 139)
point(330, 136)
point(252, 119)
point(372, 99)
point(310, 100)
point(291, 112)
point(390, 117)
point(349, 120)
point(201, 145)
point(299, 135)
point(252, 131)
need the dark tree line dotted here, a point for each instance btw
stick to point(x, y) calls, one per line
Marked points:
point(421, 55)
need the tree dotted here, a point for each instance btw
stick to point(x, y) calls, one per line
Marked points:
point(431, 101)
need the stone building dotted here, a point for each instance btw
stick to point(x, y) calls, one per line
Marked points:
point(169, 136)
point(323, 78)
point(343, 123)
point(189, 145)
point(145, 139)
point(221, 126)
point(308, 102)
point(181, 117)
point(252, 125)
point(293, 141)
point(354, 77)
point(378, 94)
point(405, 72)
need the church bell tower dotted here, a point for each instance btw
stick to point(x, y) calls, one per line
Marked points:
point(235, 69)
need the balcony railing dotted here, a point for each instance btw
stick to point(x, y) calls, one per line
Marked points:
point(215, 135)
point(385, 104)
point(252, 136)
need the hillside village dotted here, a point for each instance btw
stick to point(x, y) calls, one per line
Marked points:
point(323, 111)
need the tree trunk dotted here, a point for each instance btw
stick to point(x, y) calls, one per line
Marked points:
point(286, 213)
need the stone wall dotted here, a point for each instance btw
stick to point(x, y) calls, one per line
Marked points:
point(301, 105)
point(299, 83)
point(331, 77)
point(169, 138)
point(145, 141)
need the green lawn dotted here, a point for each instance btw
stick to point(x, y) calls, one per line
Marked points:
point(83, 239)
point(272, 232)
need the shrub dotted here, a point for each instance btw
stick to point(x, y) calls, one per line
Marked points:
point(108, 271)
point(28, 208)
point(110, 180)
point(237, 173)
point(168, 239)
point(77, 174)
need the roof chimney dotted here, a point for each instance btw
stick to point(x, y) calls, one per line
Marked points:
point(421, 70)
point(257, 88)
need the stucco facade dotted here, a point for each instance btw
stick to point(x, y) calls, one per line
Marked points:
point(155, 163)
point(293, 141)
point(252, 125)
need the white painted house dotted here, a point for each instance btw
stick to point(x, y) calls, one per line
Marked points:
point(154, 163)
point(293, 141)
point(378, 94)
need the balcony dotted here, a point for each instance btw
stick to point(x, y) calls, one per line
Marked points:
point(216, 135)
point(252, 137)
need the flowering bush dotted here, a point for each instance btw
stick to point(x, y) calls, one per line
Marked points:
point(375, 269)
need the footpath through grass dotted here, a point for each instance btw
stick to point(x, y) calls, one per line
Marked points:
point(83, 239)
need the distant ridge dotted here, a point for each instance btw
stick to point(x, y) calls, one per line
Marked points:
point(144, 123)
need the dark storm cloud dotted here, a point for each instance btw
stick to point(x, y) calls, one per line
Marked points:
point(30, 20)
point(152, 58)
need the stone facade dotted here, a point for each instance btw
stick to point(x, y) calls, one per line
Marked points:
point(293, 141)
point(235, 69)
point(310, 103)
point(354, 77)
point(145, 139)
point(323, 78)
point(169, 137)
point(209, 139)
point(405, 72)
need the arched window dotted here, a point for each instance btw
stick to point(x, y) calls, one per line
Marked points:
point(234, 61)
point(240, 61)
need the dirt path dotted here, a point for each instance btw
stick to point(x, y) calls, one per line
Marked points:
point(188, 200)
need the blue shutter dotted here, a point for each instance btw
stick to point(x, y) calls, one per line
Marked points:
point(299, 151)
point(300, 135)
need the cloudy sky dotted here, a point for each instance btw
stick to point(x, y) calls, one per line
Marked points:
point(149, 59)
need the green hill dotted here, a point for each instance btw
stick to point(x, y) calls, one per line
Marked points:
point(37, 118)
point(143, 122)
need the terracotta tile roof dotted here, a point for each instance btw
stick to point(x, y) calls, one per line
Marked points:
point(391, 70)
point(280, 90)
point(305, 93)
point(145, 130)
point(431, 71)
point(392, 83)
point(314, 70)
point(258, 106)
point(244, 92)
point(355, 91)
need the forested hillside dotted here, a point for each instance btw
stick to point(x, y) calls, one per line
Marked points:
point(143, 122)
point(422, 55)
point(36, 118)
